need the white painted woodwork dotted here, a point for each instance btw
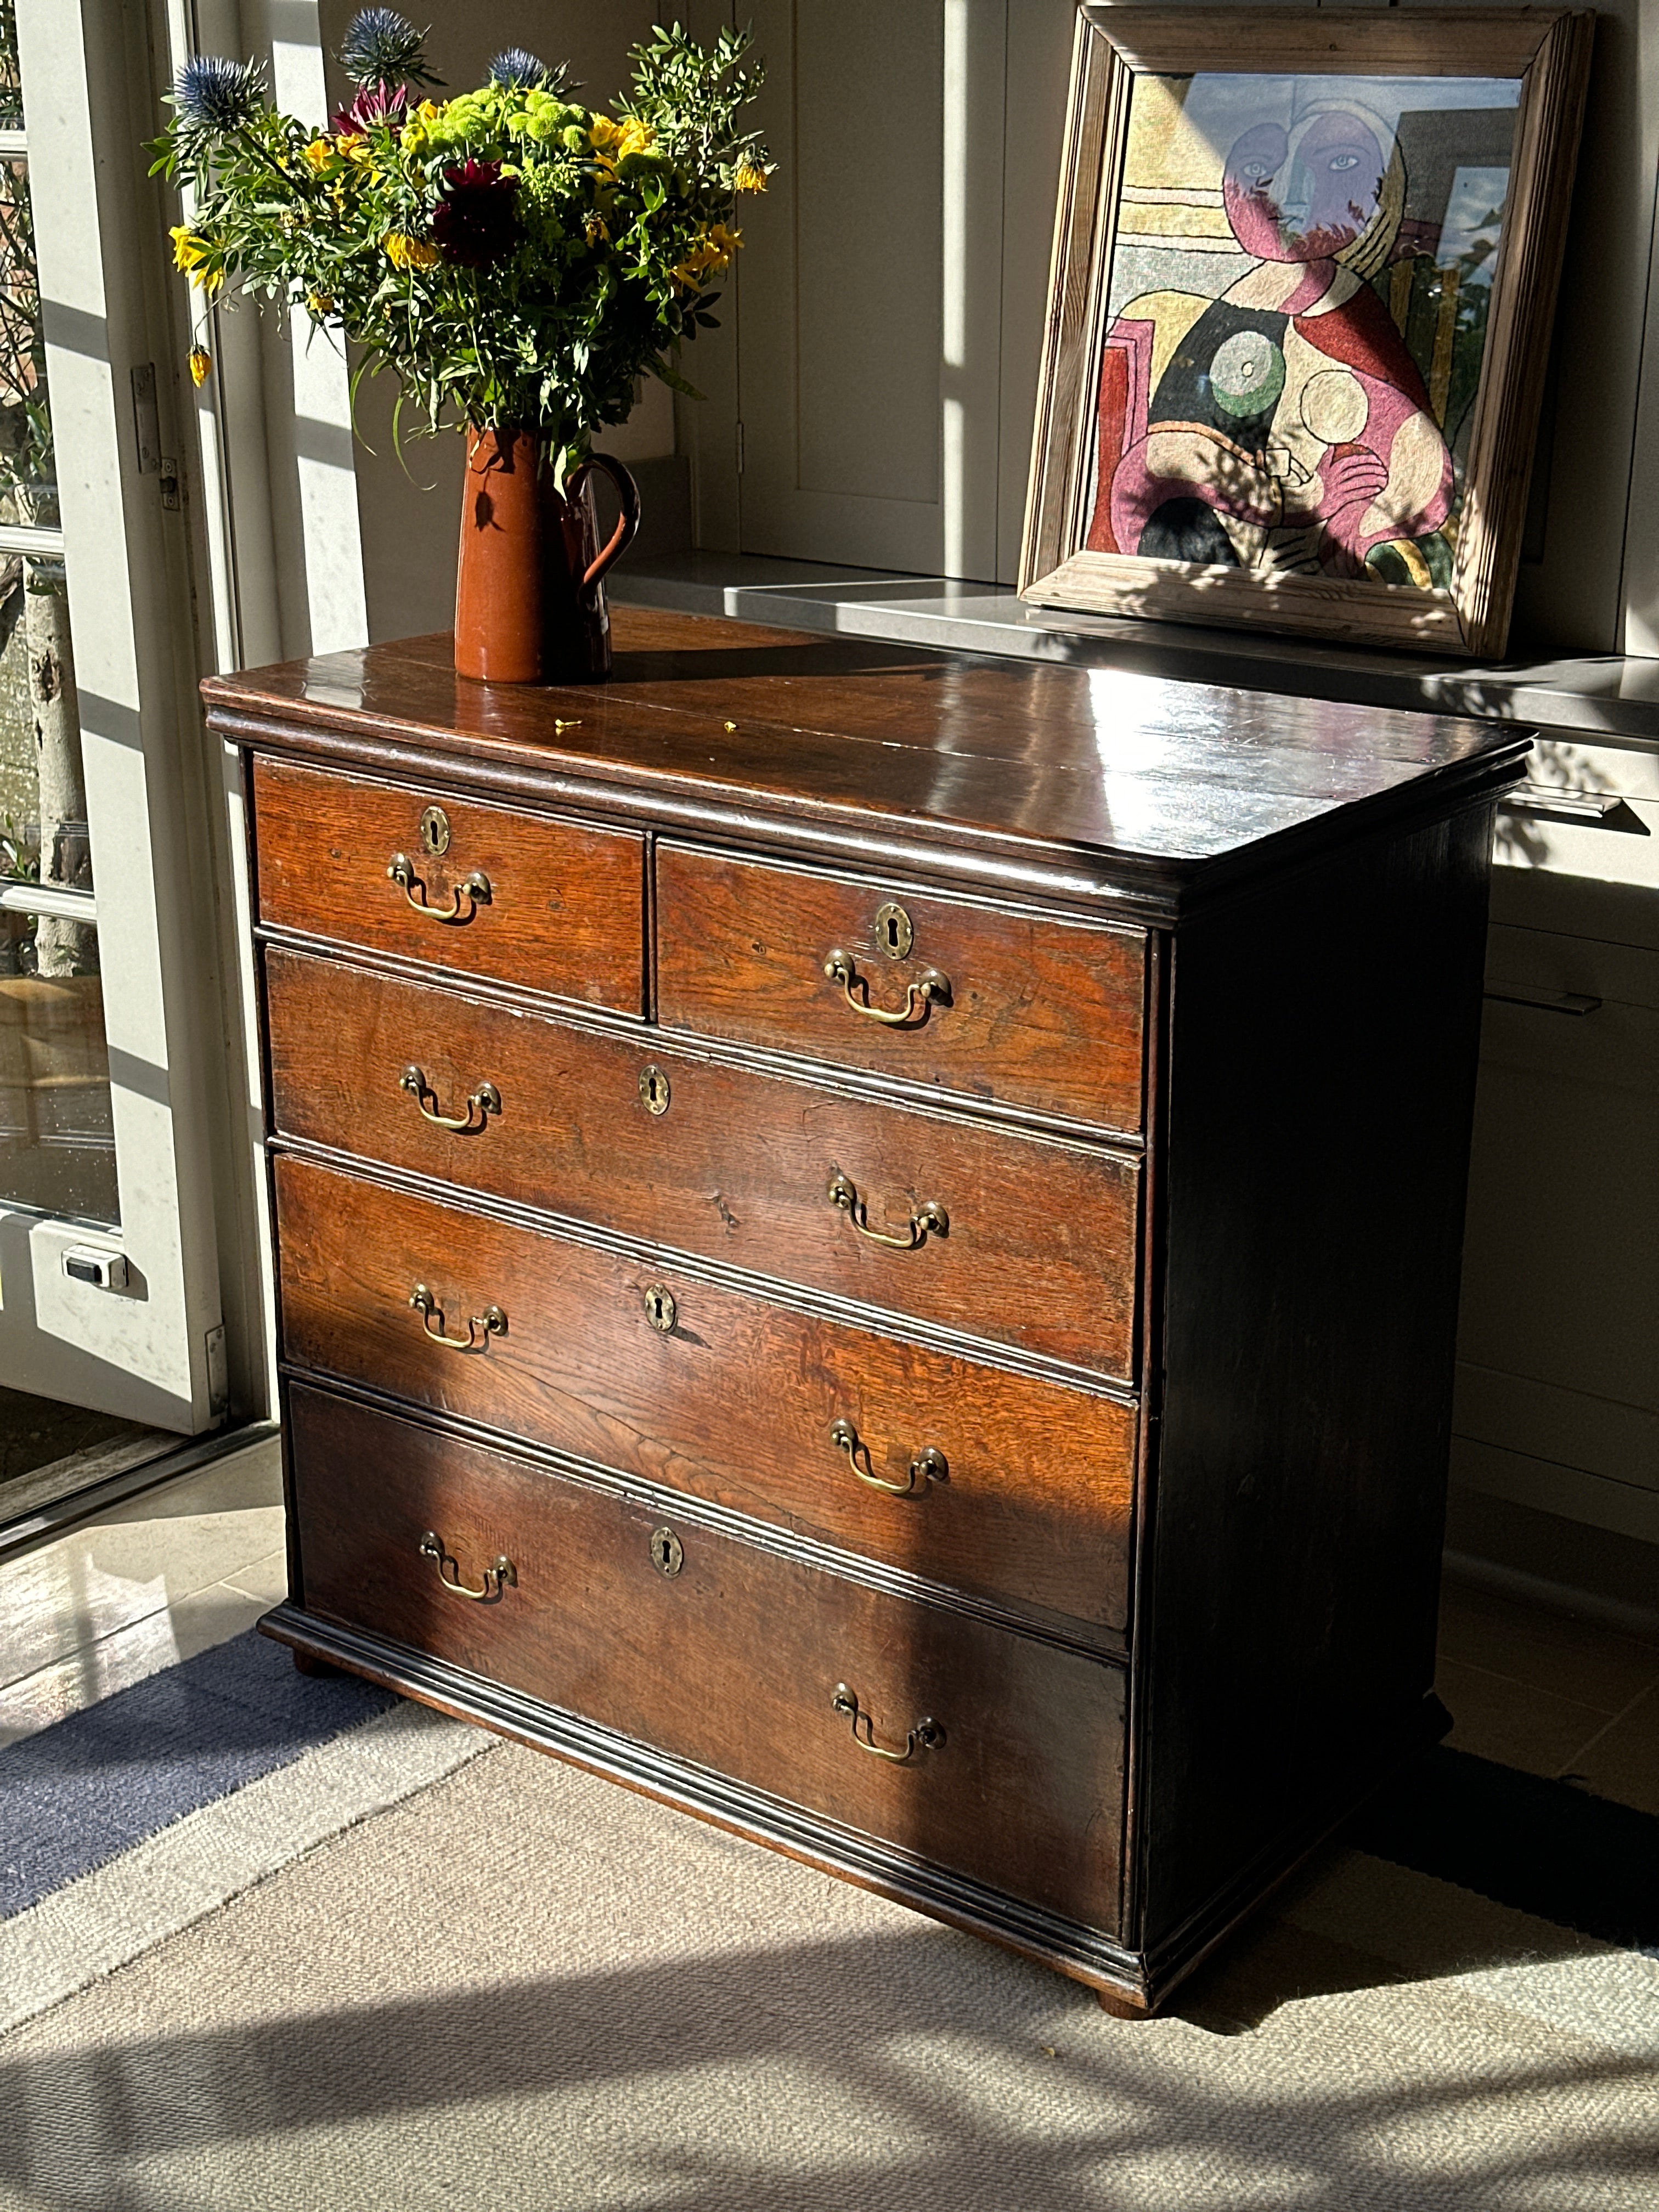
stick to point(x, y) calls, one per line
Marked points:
point(868, 354)
point(143, 1354)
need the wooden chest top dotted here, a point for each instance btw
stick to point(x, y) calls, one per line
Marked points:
point(1086, 782)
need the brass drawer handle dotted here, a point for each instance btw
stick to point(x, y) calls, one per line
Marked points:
point(475, 891)
point(926, 1735)
point(492, 1321)
point(929, 1464)
point(926, 1219)
point(482, 1103)
point(928, 986)
point(496, 1577)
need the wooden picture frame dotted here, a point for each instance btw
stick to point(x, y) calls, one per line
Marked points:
point(1281, 519)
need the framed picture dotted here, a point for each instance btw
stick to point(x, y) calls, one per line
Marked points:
point(1305, 267)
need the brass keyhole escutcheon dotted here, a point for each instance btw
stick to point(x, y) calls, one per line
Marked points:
point(667, 1553)
point(893, 931)
point(435, 831)
point(655, 1090)
point(659, 1308)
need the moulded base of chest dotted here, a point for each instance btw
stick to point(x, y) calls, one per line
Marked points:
point(1132, 1984)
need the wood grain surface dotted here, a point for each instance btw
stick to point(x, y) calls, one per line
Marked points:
point(1043, 1014)
point(732, 1662)
point(1074, 783)
point(734, 1404)
point(1040, 1247)
point(566, 908)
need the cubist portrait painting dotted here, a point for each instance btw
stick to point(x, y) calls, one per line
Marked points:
point(1296, 320)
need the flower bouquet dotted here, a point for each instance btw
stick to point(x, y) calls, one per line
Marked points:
point(515, 259)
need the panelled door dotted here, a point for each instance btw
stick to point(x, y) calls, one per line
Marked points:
point(871, 281)
point(109, 1293)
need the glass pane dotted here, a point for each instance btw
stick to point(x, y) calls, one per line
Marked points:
point(57, 1140)
point(11, 90)
point(43, 801)
point(1296, 321)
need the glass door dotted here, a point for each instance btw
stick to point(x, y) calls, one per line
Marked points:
point(108, 1274)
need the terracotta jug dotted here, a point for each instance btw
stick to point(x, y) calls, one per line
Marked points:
point(529, 589)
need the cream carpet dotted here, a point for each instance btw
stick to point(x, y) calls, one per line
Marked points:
point(526, 1987)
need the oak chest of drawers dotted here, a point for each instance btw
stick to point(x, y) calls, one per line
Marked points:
point(867, 1241)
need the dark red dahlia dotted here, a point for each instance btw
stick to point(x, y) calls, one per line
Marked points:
point(375, 103)
point(476, 223)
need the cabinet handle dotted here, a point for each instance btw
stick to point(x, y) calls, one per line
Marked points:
point(929, 1464)
point(1546, 1002)
point(495, 1577)
point(926, 1735)
point(1571, 805)
point(482, 1102)
point(928, 986)
point(492, 1321)
point(924, 1219)
point(475, 889)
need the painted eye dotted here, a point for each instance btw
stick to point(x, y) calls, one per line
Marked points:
point(1255, 171)
point(1345, 162)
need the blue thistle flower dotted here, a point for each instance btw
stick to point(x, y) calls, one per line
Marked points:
point(214, 96)
point(519, 68)
point(381, 46)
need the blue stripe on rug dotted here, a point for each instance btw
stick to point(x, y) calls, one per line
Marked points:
point(81, 1793)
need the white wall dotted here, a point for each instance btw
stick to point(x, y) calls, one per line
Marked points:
point(1590, 581)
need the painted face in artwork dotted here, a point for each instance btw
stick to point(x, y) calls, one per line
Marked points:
point(1302, 196)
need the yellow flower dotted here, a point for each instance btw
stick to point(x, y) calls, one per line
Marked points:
point(636, 137)
point(187, 248)
point(749, 178)
point(405, 252)
point(353, 147)
point(711, 253)
point(414, 133)
point(319, 303)
point(320, 152)
point(596, 233)
point(603, 135)
point(201, 366)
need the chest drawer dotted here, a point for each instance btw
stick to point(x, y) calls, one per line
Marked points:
point(1041, 1014)
point(1015, 1240)
point(520, 898)
point(999, 1483)
point(732, 1662)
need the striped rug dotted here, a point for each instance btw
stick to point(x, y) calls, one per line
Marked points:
point(519, 1984)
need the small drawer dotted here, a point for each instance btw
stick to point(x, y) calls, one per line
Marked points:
point(994, 1482)
point(520, 898)
point(1044, 1015)
point(723, 1654)
point(1014, 1239)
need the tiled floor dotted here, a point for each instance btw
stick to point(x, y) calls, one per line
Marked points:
point(197, 1560)
point(153, 1581)
point(1555, 1695)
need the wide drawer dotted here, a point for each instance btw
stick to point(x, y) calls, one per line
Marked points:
point(1014, 1239)
point(1038, 1013)
point(552, 905)
point(733, 1661)
point(997, 1483)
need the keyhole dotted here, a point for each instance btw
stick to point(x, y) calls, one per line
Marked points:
point(435, 831)
point(894, 932)
point(655, 1090)
point(659, 1308)
point(667, 1554)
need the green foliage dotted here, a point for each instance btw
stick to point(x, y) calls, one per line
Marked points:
point(514, 257)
